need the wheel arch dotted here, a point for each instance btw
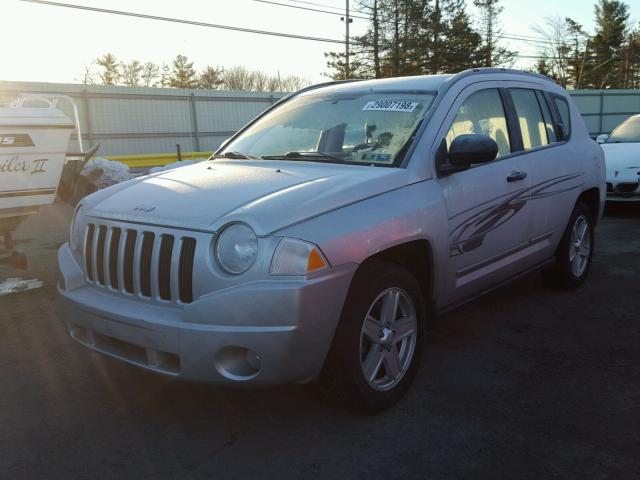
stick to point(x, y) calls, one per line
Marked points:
point(416, 256)
point(591, 198)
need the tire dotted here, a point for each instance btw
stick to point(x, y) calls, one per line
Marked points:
point(573, 259)
point(396, 348)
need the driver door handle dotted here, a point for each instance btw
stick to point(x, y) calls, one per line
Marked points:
point(516, 176)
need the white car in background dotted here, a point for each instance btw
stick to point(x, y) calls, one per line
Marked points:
point(622, 158)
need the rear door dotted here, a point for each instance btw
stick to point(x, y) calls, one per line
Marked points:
point(488, 222)
point(550, 165)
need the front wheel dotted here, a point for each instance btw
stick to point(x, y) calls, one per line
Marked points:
point(376, 348)
point(575, 252)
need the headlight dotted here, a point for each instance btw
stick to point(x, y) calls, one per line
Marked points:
point(296, 257)
point(236, 248)
point(76, 233)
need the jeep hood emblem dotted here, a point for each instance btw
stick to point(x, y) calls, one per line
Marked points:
point(144, 208)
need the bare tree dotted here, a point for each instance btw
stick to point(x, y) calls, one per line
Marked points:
point(150, 72)
point(130, 73)
point(88, 77)
point(165, 75)
point(556, 51)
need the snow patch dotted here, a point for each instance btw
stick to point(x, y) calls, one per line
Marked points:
point(171, 166)
point(112, 172)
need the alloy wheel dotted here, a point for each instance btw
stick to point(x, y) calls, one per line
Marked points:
point(388, 339)
point(580, 246)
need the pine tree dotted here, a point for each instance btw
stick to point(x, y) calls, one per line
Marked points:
point(462, 42)
point(210, 78)
point(493, 53)
point(183, 74)
point(411, 37)
point(606, 46)
point(109, 74)
point(631, 61)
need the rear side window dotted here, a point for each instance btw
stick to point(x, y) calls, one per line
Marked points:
point(529, 113)
point(565, 117)
point(548, 117)
point(482, 113)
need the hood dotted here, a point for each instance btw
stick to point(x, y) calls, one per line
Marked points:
point(268, 195)
point(622, 161)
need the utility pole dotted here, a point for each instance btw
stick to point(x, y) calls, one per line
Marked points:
point(347, 20)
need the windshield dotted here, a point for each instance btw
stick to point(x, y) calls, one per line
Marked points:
point(360, 128)
point(628, 131)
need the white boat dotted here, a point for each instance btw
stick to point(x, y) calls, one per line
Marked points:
point(34, 138)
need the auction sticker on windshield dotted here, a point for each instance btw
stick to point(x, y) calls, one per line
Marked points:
point(391, 106)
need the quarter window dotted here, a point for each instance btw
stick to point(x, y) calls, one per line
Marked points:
point(563, 109)
point(482, 113)
point(532, 124)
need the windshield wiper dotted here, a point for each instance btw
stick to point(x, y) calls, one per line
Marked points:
point(236, 156)
point(305, 156)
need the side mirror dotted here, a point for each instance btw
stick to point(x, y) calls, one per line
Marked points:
point(602, 138)
point(466, 150)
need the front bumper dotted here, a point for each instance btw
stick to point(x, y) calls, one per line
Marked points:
point(264, 333)
point(614, 198)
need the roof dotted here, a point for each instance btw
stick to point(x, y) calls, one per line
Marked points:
point(418, 82)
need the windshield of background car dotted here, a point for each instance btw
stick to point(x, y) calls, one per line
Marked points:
point(628, 131)
point(362, 128)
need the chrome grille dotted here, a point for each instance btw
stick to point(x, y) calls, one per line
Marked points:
point(140, 262)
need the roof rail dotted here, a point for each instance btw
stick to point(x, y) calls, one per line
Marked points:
point(511, 71)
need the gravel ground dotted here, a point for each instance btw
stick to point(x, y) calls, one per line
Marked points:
point(523, 383)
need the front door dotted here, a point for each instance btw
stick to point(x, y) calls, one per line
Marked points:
point(488, 217)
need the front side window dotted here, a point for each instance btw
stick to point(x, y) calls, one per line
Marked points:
point(627, 132)
point(482, 113)
point(365, 128)
point(532, 124)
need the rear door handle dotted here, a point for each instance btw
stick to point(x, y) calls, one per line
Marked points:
point(516, 176)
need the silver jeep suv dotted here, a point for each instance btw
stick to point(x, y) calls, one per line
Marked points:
point(321, 240)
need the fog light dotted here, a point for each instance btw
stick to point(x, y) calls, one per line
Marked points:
point(253, 359)
point(237, 363)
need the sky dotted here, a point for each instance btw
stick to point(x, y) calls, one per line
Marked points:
point(52, 44)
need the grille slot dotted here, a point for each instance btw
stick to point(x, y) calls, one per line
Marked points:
point(102, 235)
point(626, 187)
point(164, 267)
point(185, 276)
point(145, 263)
point(114, 248)
point(155, 265)
point(129, 252)
point(88, 249)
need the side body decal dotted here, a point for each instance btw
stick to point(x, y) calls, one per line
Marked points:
point(471, 232)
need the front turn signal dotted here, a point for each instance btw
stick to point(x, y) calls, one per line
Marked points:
point(297, 257)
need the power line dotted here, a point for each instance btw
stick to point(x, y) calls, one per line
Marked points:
point(182, 21)
point(508, 36)
point(212, 25)
point(308, 8)
point(328, 6)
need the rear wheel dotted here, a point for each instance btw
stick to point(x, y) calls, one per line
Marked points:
point(573, 258)
point(375, 352)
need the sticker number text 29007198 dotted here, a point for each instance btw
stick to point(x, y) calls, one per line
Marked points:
point(391, 106)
